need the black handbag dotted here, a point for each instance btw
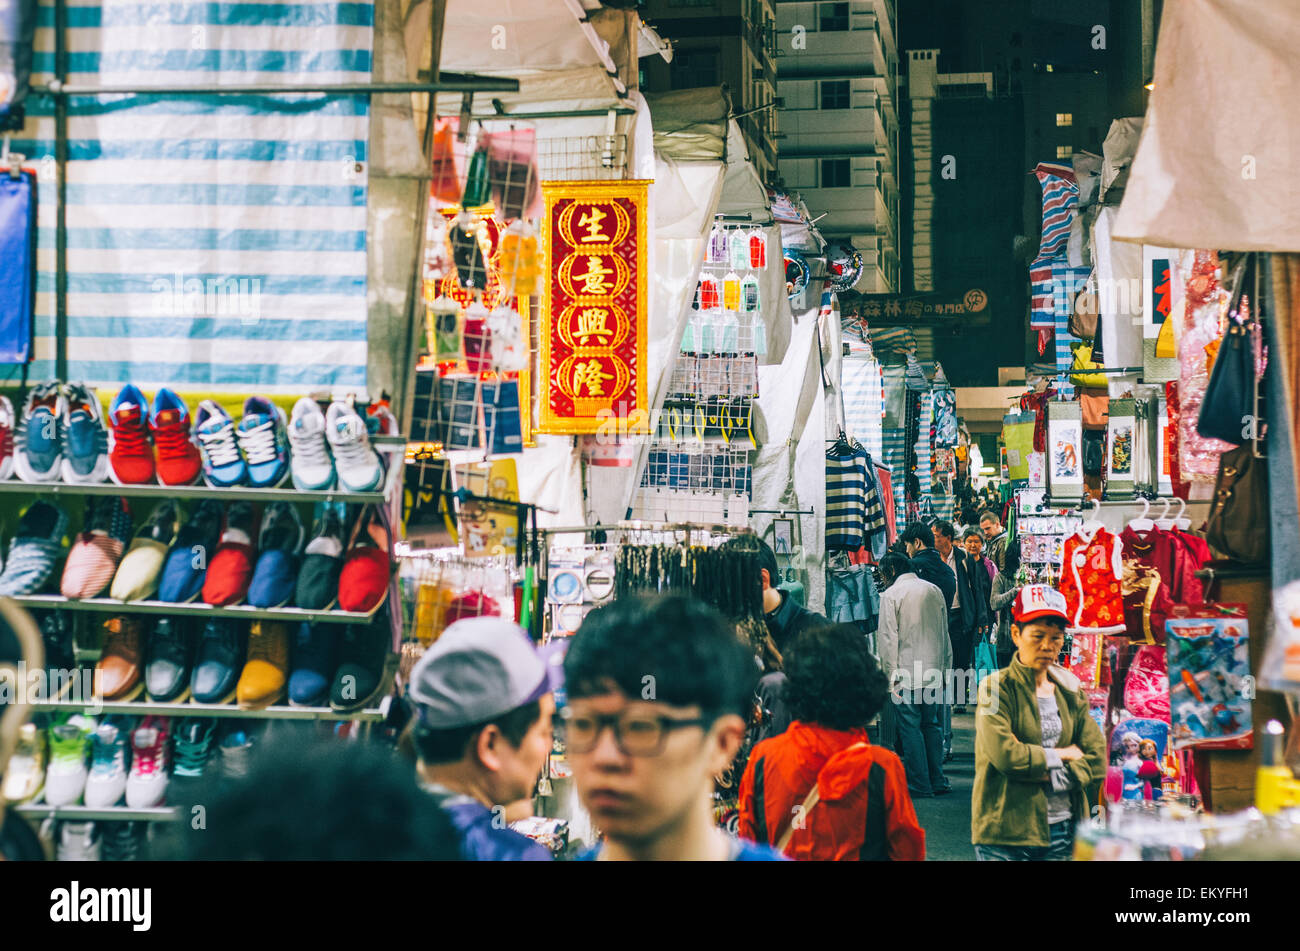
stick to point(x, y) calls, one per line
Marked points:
point(1229, 400)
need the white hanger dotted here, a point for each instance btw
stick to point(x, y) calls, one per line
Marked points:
point(1164, 522)
point(1089, 528)
point(1142, 523)
point(1181, 521)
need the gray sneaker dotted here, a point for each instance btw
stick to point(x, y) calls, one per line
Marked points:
point(78, 842)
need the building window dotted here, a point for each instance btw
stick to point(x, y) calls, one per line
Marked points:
point(835, 173)
point(691, 69)
point(1064, 119)
point(1064, 151)
point(835, 94)
point(834, 17)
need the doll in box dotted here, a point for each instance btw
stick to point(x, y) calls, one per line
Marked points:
point(1148, 773)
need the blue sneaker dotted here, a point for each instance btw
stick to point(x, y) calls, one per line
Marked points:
point(219, 662)
point(263, 438)
point(223, 466)
point(38, 443)
point(187, 561)
point(85, 440)
point(36, 550)
point(312, 665)
point(279, 542)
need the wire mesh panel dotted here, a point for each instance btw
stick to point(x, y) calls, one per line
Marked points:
point(582, 157)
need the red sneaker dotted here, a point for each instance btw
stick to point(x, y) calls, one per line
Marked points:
point(231, 567)
point(130, 457)
point(363, 582)
point(179, 462)
point(6, 438)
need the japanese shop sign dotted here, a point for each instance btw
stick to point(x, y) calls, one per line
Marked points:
point(593, 313)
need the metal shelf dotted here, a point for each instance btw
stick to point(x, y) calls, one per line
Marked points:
point(148, 708)
point(238, 493)
point(193, 609)
point(86, 813)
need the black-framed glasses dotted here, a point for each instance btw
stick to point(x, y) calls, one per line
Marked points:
point(636, 733)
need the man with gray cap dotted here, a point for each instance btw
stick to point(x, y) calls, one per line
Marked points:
point(481, 726)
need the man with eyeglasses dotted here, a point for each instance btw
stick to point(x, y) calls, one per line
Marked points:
point(659, 692)
point(482, 714)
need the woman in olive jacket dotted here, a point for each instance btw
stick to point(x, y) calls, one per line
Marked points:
point(1039, 755)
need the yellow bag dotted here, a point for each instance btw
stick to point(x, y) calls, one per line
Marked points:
point(1082, 362)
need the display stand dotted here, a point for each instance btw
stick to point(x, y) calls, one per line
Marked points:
point(388, 446)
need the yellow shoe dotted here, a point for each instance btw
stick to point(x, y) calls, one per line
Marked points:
point(25, 777)
point(267, 671)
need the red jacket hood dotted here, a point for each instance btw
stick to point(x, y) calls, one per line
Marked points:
point(843, 768)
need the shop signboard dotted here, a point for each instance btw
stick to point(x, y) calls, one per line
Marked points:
point(593, 309)
point(970, 306)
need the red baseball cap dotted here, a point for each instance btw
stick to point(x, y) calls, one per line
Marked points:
point(1035, 601)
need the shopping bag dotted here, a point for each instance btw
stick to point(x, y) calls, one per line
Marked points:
point(986, 659)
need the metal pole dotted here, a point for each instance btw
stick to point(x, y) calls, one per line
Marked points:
point(470, 84)
point(61, 192)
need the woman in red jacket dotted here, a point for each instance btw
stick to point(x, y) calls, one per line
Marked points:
point(820, 791)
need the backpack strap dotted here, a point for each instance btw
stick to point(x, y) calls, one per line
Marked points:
point(811, 800)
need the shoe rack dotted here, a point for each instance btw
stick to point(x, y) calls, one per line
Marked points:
point(393, 447)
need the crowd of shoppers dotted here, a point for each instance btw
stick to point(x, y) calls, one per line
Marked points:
point(662, 697)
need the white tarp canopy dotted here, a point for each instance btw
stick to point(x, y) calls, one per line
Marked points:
point(1218, 160)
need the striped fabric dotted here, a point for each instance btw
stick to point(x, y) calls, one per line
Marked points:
point(1060, 199)
point(1054, 286)
point(214, 242)
point(896, 339)
point(863, 401)
point(894, 455)
point(846, 511)
point(923, 437)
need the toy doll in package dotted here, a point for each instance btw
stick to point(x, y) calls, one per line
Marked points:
point(1210, 686)
point(1129, 775)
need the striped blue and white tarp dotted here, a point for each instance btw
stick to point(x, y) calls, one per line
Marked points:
point(894, 451)
point(923, 444)
point(214, 242)
point(863, 402)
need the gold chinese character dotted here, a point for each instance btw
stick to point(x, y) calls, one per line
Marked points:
point(593, 281)
point(593, 322)
point(591, 221)
point(590, 374)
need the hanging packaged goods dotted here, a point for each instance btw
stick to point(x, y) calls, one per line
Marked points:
point(593, 314)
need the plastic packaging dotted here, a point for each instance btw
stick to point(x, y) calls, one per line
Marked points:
point(731, 291)
point(1210, 685)
point(1146, 691)
point(718, 247)
point(758, 249)
point(750, 295)
point(738, 243)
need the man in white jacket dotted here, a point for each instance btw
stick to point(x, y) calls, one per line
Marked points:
point(917, 655)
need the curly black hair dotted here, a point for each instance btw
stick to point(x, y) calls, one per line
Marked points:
point(833, 680)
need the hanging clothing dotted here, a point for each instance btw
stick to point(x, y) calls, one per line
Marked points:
point(888, 501)
point(1090, 580)
point(1198, 459)
point(846, 497)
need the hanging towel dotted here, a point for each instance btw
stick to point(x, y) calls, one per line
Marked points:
point(17, 278)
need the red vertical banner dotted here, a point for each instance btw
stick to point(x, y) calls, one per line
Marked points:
point(593, 310)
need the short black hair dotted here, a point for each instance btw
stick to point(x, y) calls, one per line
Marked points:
point(988, 515)
point(450, 746)
point(894, 564)
point(669, 648)
point(972, 533)
point(944, 528)
point(311, 798)
point(917, 532)
point(767, 561)
point(833, 680)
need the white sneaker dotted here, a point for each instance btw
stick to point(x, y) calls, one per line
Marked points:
point(107, 781)
point(78, 842)
point(146, 786)
point(358, 466)
point(65, 779)
point(309, 459)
